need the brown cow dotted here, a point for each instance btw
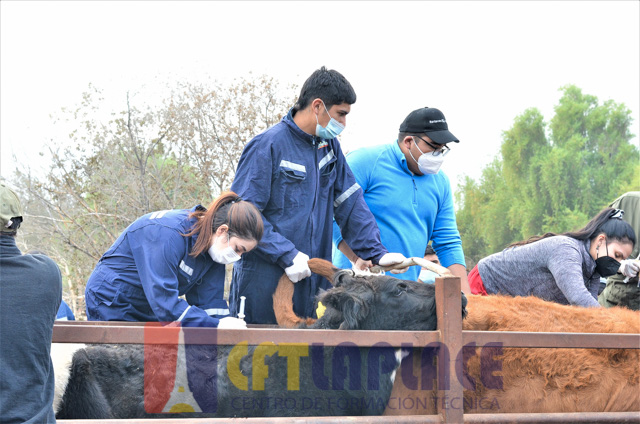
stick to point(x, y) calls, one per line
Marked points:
point(536, 379)
point(557, 380)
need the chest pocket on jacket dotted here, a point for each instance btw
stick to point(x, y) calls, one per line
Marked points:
point(327, 166)
point(292, 177)
point(185, 274)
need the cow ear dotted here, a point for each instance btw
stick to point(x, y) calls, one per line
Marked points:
point(354, 305)
point(343, 277)
point(332, 298)
point(355, 311)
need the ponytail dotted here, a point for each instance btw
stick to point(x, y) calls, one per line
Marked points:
point(243, 219)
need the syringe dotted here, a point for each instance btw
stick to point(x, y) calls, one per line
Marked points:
point(241, 312)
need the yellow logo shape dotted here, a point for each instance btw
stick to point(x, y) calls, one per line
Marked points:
point(181, 407)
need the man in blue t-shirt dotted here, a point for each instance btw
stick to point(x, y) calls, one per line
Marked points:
point(408, 195)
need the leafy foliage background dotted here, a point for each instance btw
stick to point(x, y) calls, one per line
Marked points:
point(549, 177)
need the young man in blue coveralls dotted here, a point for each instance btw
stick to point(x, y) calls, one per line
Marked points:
point(296, 174)
point(406, 174)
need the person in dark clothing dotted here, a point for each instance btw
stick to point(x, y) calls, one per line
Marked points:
point(623, 288)
point(64, 311)
point(164, 255)
point(297, 176)
point(30, 295)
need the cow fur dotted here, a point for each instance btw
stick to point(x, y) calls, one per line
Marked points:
point(282, 304)
point(107, 381)
point(546, 380)
point(61, 356)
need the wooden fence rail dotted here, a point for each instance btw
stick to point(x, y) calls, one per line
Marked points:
point(449, 333)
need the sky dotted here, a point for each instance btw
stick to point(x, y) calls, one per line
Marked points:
point(481, 63)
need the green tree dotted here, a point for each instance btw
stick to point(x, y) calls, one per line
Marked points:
point(549, 181)
point(524, 149)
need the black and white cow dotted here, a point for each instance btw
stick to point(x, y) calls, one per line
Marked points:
point(268, 380)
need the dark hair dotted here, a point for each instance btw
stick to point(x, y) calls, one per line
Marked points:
point(429, 250)
point(242, 217)
point(608, 222)
point(328, 85)
point(402, 135)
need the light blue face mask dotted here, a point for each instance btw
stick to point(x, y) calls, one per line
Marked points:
point(332, 129)
point(427, 276)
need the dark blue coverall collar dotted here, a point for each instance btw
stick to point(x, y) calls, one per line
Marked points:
point(309, 138)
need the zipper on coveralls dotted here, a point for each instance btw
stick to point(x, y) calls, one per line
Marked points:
point(315, 197)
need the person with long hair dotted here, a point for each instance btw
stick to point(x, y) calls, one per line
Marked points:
point(167, 254)
point(563, 268)
point(622, 288)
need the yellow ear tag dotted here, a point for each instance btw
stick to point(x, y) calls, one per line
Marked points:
point(320, 309)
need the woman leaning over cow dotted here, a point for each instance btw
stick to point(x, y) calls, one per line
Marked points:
point(166, 254)
point(563, 268)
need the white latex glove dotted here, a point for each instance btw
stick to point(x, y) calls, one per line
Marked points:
point(232, 323)
point(629, 268)
point(299, 269)
point(389, 259)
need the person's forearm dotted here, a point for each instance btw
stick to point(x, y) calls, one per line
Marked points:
point(460, 271)
point(346, 250)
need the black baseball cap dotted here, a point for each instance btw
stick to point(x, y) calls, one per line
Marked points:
point(429, 121)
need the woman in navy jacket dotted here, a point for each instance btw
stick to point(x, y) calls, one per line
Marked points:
point(166, 254)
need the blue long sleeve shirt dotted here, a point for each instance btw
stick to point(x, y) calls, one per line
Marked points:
point(410, 209)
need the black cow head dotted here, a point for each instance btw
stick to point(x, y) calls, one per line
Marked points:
point(379, 302)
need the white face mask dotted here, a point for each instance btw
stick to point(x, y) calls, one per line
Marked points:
point(224, 256)
point(427, 276)
point(427, 163)
point(332, 130)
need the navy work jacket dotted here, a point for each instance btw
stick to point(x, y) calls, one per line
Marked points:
point(299, 182)
point(141, 277)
